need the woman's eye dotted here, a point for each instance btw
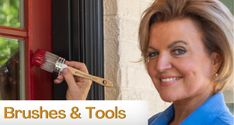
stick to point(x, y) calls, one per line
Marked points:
point(179, 51)
point(153, 54)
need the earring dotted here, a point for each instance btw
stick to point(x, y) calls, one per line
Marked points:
point(215, 76)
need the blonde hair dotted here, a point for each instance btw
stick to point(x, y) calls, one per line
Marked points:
point(213, 19)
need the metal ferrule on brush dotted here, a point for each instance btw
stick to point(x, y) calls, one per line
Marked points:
point(60, 65)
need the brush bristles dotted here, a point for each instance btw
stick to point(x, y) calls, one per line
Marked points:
point(50, 60)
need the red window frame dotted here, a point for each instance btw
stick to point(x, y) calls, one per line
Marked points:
point(36, 34)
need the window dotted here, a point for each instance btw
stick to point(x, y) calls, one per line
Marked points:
point(11, 50)
point(24, 27)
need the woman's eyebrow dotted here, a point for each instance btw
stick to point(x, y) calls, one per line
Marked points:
point(177, 42)
point(169, 46)
point(151, 48)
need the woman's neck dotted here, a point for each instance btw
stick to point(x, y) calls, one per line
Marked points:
point(184, 108)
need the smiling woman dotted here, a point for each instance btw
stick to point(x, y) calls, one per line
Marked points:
point(178, 63)
point(188, 49)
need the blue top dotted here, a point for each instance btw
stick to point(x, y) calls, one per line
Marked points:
point(212, 112)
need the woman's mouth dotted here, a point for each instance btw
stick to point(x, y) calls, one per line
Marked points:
point(168, 81)
point(171, 79)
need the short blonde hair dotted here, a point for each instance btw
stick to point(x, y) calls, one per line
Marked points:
point(213, 19)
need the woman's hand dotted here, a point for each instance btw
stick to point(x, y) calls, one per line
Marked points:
point(78, 87)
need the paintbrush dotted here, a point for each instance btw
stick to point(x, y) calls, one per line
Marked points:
point(53, 63)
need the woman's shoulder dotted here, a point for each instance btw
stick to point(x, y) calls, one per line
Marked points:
point(162, 118)
point(153, 117)
point(224, 119)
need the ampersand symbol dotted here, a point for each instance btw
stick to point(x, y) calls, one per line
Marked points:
point(75, 113)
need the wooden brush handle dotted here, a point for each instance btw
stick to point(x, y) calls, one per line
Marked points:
point(96, 79)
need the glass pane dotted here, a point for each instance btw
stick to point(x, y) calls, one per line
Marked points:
point(11, 69)
point(11, 13)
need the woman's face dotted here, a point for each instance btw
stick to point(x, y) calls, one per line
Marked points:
point(179, 64)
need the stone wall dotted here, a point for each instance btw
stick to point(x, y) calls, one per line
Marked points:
point(122, 54)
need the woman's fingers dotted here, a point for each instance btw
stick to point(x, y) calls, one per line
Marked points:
point(77, 65)
point(80, 66)
point(78, 87)
point(59, 79)
point(68, 76)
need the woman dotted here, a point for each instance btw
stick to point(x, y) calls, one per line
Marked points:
point(188, 49)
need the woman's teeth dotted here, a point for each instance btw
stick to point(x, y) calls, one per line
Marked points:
point(169, 79)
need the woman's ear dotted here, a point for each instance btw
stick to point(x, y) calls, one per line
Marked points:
point(216, 61)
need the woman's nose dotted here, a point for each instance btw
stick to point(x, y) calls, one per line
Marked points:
point(163, 63)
